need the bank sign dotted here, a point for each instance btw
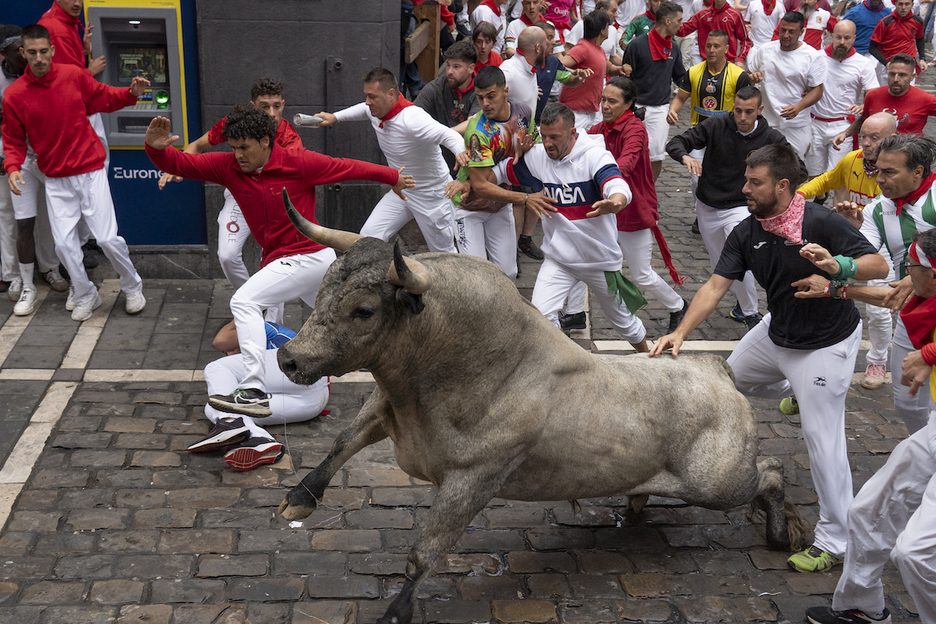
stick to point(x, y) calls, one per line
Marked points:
point(149, 216)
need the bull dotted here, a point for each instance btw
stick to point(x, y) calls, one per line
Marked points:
point(483, 397)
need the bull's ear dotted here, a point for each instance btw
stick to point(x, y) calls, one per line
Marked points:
point(408, 273)
point(338, 240)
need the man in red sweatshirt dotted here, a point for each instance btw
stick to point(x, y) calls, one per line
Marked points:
point(48, 107)
point(256, 173)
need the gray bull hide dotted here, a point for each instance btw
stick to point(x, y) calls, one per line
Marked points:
point(484, 397)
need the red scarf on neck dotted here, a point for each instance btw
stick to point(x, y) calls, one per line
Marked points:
point(493, 5)
point(871, 8)
point(523, 18)
point(919, 314)
point(401, 103)
point(660, 48)
point(769, 6)
point(925, 185)
point(649, 14)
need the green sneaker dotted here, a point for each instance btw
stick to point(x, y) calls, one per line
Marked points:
point(813, 559)
point(789, 406)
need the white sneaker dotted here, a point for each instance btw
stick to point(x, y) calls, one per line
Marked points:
point(83, 312)
point(135, 302)
point(16, 289)
point(55, 280)
point(27, 302)
point(70, 301)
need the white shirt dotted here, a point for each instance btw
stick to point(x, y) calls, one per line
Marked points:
point(513, 31)
point(587, 174)
point(411, 139)
point(762, 23)
point(521, 81)
point(629, 9)
point(844, 82)
point(483, 13)
point(786, 77)
point(610, 45)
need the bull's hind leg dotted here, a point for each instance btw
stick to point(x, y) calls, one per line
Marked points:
point(462, 495)
point(364, 430)
point(785, 528)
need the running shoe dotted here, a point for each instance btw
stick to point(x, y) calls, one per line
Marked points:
point(789, 406)
point(813, 559)
point(55, 280)
point(873, 377)
point(224, 433)
point(135, 302)
point(27, 302)
point(250, 401)
point(253, 453)
point(83, 312)
point(825, 615)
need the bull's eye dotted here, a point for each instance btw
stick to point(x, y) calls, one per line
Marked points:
point(362, 313)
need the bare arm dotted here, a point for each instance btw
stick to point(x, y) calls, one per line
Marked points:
point(703, 304)
point(672, 117)
point(812, 96)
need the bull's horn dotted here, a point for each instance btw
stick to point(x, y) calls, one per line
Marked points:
point(339, 240)
point(408, 273)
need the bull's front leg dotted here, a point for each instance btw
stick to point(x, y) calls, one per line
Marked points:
point(462, 495)
point(364, 430)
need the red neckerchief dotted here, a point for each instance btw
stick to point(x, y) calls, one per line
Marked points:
point(523, 18)
point(401, 103)
point(464, 91)
point(660, 48)
point(769, 6)
point(917, 194)
point(789, 223)
point(606, 128)
point(828, 51)
point(649, 15)
point(871, 8)
point(492, 4)
point(902, 19)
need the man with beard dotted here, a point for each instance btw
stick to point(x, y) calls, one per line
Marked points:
point(793, 74)
point(818, 21)
point(866, 15)
point(720, 202)
point(910, 105)
point(901, 32)
point(857, 173)
point(808, 346)
point(904, 208)
point(847, 75)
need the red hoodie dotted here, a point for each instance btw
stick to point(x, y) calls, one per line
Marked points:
point(66, 35)
point(260, 194)
point(52, 113)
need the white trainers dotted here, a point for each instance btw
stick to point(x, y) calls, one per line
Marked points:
point(55, 280)
point(16, 289)
point(70, 301)
point(27, 302)
point(874, 376)
point(135, 302)
point(83, 312)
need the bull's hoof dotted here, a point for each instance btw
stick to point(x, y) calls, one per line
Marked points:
point(294, 512)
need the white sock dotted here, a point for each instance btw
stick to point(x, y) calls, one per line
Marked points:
point(26, 272)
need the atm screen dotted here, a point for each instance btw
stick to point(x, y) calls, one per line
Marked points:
point(145, 61)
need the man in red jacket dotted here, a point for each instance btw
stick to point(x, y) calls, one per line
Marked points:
point(721, 15)
point(48, 107)
point(256, 174)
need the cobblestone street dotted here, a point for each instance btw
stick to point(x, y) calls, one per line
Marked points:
point(109, 519)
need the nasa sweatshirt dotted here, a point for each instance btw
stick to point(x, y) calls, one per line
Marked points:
point(586, 175)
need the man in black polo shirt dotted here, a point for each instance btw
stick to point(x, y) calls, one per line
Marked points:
point(805, 347)
point(656, 63)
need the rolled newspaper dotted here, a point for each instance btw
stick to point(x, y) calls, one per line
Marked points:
point(307, 121)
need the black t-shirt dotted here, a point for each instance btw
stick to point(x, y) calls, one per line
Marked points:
point(776, 264)
point(653, 78)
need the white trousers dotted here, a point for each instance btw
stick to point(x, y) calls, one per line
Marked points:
point(879, 69)
point(799, 139)
point(432, 211)
point(233, 233)
point(281, 280)
point(880, 321)
point(97, 122)
point(686, 45)
point(820, 380)
point(32, 203)
point(9, 267)
point(553, 283)
point(87, 197)
point(915, 412)
point(638, 253)
point(289, 402)
point(892, 517)
point(657, 131)
point(584, 120)
point(822, 156)
point(715, 226)
point(489, 235)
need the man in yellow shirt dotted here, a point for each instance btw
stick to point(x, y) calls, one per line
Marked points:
point(858, 174)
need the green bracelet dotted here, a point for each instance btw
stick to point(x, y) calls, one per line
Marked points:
point(847, 268)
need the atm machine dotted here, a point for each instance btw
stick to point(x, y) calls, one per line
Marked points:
point(146, 38)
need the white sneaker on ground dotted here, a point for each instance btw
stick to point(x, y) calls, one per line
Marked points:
point(135, 302)
point(83, 312)
point(16, 289)
point(873, 377)
point(27, 302)
point(55, 280)
point(70, 301)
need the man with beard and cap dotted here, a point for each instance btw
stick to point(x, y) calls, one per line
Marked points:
point(901, 32)
point(904, 208)
point(910, 105)
point(857, 173)
point(866, 15)
point(848, 74)
point(807, 345)
point(891, 518)
point(793, 74)
point(720, 201)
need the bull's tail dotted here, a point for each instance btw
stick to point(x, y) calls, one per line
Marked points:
point(799, 530)
point(786, 528)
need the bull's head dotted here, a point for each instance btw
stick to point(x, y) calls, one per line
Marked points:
point(363, 296)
